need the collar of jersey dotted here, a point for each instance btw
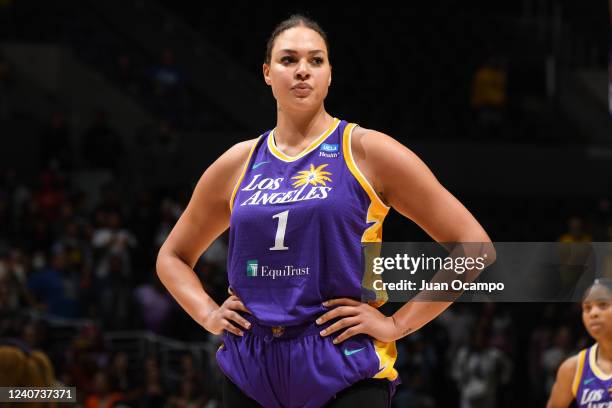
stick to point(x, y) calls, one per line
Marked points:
point(594, 367)
point(282, 156)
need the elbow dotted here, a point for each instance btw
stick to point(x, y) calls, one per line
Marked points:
point(159, 263)
point(162, 259)
point(489, 252)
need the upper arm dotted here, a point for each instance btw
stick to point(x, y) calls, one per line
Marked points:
point(407, 185)
point(562, 395)
point(207, 214)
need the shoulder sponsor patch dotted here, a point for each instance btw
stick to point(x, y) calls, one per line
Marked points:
point(327, 147)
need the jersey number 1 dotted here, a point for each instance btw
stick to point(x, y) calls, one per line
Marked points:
point(279, 240)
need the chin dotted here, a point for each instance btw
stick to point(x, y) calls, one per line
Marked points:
point(303, 105)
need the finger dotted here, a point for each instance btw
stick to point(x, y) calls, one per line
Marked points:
point(348, 333)
point(339, 325)
point(238, 319)
point(231, 328)
point(337, 312)
point(238, 305)
point(341, 301)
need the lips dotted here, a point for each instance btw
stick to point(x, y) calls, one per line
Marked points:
point(596, 325)
point(302, 90)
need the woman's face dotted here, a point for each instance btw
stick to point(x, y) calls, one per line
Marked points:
point(597, 312)
point(299, 71)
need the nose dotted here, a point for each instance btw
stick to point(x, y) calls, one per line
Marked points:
point(301, 71)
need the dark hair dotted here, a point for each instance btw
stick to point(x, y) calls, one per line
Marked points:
point(295, 20)
point(605, 282)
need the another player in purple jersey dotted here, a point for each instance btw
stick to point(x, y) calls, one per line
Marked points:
point(300, 201)
point(587, 376)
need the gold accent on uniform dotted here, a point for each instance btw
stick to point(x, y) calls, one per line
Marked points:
point(377, 210)
point(244, 170)
point(578, 373)
point(278, 331)
point(387, 353)
point(280, 155)
point(312, 176)
point(594, 367)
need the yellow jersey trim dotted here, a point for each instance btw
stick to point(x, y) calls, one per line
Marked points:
point(244, 170)
point(377, 211)
point(578, 374)
point(387, 355)
point(284, 157)
point(594, 367)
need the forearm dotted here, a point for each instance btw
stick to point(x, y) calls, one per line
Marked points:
point(414, 315)
point(429, 304)
point(184, 285)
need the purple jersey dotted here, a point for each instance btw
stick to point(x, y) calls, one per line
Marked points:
point(296, 232)
point(592, 387)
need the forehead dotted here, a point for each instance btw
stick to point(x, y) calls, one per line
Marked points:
point(598, 293)
point(300, 39)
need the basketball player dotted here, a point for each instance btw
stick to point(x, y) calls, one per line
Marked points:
point(587, 376)
point(300, 200)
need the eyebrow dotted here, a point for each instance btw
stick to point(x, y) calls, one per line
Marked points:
point(295, 52)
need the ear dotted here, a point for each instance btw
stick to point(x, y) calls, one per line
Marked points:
point(266, 73)
point(330, 76)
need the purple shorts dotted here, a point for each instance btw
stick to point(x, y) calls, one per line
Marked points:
point(294, 366)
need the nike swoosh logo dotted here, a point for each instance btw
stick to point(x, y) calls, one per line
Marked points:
point(256, 165)
point(351, 352)
point(585, 382)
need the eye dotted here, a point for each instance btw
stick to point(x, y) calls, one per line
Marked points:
point(318, 60)
point(287, 59)
point(602, 305)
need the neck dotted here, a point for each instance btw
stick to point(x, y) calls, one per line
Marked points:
point(295, 128)
point(604, 350)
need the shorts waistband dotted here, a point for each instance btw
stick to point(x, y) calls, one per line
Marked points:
point(283, 332)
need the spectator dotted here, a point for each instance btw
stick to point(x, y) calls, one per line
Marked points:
point(489, 94)
point(48, 285)
point(155, 305)
point(103, 396)
point(576, 231)
point(118, 375)
point(479, 370)
point(153, 391)
point(187, 397)
point(555, 355)
point(168, 88)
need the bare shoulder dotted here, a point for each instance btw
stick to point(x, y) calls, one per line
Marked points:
point(363, 141)
point(562, 392)
point(229, 165)
point(236, 155)
point(372, 145)
point(380, 157)
point(221, 176)
point(568, 367)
